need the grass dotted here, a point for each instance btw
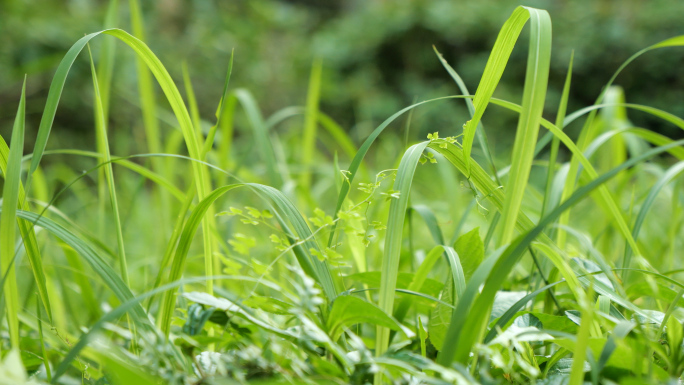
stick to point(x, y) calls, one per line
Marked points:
point(313, 267)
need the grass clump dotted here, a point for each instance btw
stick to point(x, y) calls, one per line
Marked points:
point(434, 270)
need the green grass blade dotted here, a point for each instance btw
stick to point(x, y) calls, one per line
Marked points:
point(209, 143)
point(671, 174)
point(192, 103)
point(338, 134)
point(418, 279)
point(394, 235)
point(10, 200)
point(310, 124)
point(148, 107)
point(105, 67)
point(54, 95)
point(200, 173)
point(534, 94)
point(105, 156)
point(583, 335)
point(43, 351)
point(28, 236)
point(209, 223)
point(604, 197)
point(560, 117)
point(430, 221)
point(148, 103)
point(80, 278)
point(173, 241)
point(501, 52)
point(261, 137)
point(479, 132)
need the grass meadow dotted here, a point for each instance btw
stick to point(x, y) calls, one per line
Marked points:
point(238, 247)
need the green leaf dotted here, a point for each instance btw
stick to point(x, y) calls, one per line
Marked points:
point(348, 310)
point(470, 249)
point(440, 317)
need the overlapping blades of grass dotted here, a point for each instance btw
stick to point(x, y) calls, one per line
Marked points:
point(501, 52)
point(534, 94)
point(302, 237)
point(99, 265)
point(460, 332)
point(588, 132)
point(200, 174)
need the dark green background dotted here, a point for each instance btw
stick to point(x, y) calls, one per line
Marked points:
point(377, 58)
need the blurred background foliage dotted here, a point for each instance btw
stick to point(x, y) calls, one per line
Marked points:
point(377, 58)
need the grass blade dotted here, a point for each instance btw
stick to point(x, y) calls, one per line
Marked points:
point(10, 200)
point(479, 132)
point(560, 117)
point(534, 93)
point(200, 173)
point(395, 228)
point(671, 173)
point(99, 265)
point(494, 69)
point(105, 156)
point(310, 124)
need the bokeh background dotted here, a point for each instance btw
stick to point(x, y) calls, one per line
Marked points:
point(377, 58)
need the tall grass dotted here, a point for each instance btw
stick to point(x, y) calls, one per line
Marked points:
point(312, 266)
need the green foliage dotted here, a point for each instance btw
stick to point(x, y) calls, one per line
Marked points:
point(316, 271)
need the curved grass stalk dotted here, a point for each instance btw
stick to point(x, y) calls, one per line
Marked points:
point(123, 161)
point(99, 266)
point(261, 137)
point(28, 235)
point(671, 174)
point(169, 88)
point(560, 117)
